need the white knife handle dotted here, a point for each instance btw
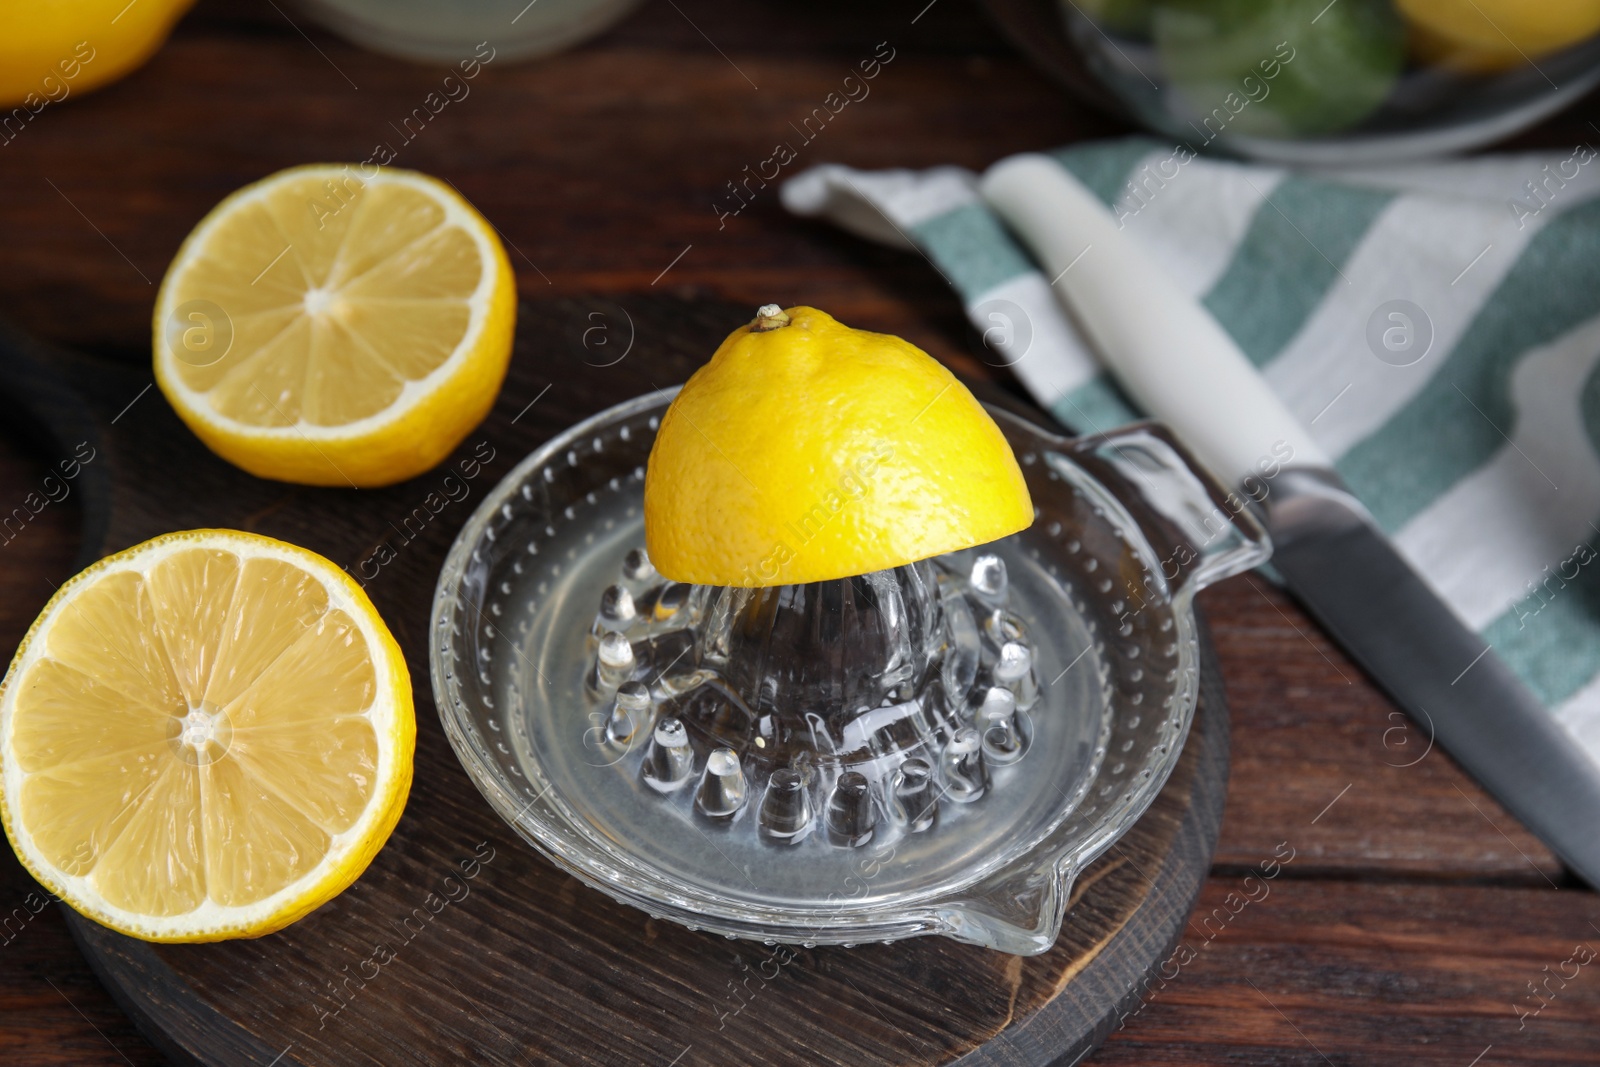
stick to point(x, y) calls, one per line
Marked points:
point(1172, 357)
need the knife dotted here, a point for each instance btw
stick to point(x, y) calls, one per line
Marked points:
point(1180, 366)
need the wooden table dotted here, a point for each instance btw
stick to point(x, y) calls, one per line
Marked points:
point(1416, 917)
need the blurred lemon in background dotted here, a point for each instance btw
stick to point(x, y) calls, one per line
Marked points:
point(52, 49)
point(1490, 35)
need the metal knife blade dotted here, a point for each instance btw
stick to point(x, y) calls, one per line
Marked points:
point(1178, 363)
point(1350, 577)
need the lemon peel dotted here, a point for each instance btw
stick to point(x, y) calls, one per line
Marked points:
point(806, 450)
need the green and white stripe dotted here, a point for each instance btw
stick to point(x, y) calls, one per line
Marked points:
point(1481, 459)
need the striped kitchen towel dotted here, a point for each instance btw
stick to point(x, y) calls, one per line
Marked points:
point(1436, 326)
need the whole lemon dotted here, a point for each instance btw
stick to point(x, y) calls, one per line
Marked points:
point(53, 49)
point(1493, 35)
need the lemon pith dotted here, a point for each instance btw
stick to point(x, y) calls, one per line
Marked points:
point(336, 325)
point(806, 450)
point(205, 736)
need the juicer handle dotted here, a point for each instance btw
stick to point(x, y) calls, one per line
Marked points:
point(1201, 531)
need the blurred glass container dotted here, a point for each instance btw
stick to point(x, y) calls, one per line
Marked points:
point(1346, 82)
point(447, 31)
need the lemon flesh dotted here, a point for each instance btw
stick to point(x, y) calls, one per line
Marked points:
point(336, 327)
point(814, 451)
point(205, 736)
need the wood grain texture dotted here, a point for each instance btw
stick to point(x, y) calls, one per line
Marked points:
point(1351, 972)
point(519, 960)
point(599, 167)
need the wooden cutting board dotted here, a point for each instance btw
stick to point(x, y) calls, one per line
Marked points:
point(461, 944)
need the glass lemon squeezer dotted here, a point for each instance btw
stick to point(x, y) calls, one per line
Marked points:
point(939, 747)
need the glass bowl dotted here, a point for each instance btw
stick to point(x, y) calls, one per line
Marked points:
point(605, 714)
point(1340, 83)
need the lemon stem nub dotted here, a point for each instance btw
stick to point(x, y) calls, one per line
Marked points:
point(769, 317)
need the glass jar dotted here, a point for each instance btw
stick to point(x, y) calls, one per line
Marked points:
point(1320, 82)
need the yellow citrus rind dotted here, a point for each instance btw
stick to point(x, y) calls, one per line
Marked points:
point(1487, 36)
point(53, 50)
point(813, 451)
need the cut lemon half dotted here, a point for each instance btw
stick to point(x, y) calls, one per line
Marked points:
point(807, 450)
point(205, 736)
point(336, 325)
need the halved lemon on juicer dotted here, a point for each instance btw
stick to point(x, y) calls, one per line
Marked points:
point(336, 325)
point(806, 451)
point(205, 736)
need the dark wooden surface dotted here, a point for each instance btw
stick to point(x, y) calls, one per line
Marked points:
point(525, 964)
point(1415, 914)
